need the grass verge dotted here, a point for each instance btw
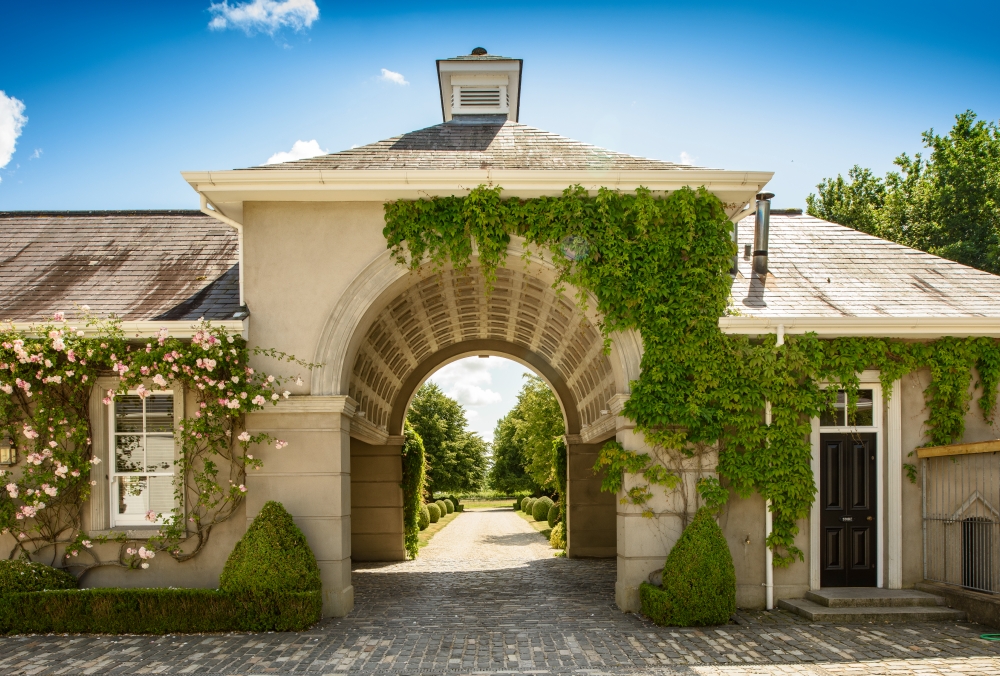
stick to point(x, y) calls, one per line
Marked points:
point(431, 530)
point(541, 526)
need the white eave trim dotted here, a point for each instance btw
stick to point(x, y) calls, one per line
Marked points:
point(381, 185)
point(143, 329)
point(876, 327)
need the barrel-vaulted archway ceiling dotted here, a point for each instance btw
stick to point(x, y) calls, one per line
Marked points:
point(452, 307)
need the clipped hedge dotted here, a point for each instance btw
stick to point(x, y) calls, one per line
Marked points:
point(156, 611)
point(553, 516)
point(423, 517)
point(449, 505)
point(524, 503)
point(517, 505)
point(540, 508)
point(272, 555)
point(699, 580)
point(433, 512)
point(24, 576)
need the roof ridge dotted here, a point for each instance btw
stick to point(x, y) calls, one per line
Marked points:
point(106, 212)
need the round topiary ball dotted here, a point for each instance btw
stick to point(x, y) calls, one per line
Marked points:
point(699, 580)
point(557, 538)
point(443, 507)
point(531, 503)
point(553, 517)
point(449, 505)
point(540, 508)
point(524, 503)
point(433, 512)
point(424, 517)
point(22, 576)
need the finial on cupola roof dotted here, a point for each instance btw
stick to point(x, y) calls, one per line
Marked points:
point(480, 87)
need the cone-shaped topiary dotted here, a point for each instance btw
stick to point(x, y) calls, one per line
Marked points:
point(423, 517)
point(434, 512)
point(699, 581)
point(23, 576)
point(449, 505)
point(272, 555)
point(524, 503)
point(557, 538)
point(553, 517)
point(540, 508)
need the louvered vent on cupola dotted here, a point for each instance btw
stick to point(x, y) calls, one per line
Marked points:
point(479, 84)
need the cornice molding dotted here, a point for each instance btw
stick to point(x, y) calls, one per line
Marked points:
point(876, 327)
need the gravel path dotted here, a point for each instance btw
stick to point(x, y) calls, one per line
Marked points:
point(486, 596)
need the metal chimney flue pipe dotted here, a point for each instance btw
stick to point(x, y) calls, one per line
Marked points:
point(760, 233)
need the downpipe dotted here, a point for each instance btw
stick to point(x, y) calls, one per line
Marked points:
point(768, 519)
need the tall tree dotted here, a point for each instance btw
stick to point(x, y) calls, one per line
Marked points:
point(456, 457)
point(523, 454)
point(947, 205)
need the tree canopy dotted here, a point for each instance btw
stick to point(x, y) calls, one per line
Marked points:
point(455, 456)
point(947, 205)
point(523, 451)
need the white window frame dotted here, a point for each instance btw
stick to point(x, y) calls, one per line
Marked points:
point(112, 476)
point(869, 380)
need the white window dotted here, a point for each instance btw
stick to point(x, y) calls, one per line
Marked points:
point(143, 456)
point(866, 415)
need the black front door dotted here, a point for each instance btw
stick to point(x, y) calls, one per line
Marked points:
point(848, 516)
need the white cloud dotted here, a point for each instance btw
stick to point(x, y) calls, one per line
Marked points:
point(300, 151)
point(12, 121)
point(395, 78)
point(467, 381)
point(35, 155)
point(686, 158)
point(263, 16)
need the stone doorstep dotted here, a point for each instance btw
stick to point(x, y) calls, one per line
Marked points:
point(872, 597)
point(819, 613)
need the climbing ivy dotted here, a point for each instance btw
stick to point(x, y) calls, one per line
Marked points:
point(660, 265)
point(414, 472)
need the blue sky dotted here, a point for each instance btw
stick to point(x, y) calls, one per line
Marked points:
point(486, 388)
point(120, 97)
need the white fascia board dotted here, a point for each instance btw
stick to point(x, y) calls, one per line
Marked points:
point(143, 329)
point(875, 327)
point(226, 188)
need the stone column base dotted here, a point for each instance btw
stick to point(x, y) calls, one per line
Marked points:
point(338, 602)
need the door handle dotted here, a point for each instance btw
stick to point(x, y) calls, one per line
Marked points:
point(870, 518)
point(847, 518)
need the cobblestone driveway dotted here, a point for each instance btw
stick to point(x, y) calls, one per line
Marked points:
point(487, 596)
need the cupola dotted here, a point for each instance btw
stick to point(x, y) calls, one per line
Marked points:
point(478, 85)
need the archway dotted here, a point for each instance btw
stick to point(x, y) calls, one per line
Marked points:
point(426, 319)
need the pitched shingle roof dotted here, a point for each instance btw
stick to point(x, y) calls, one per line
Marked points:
point(140, 265)
point(821, 269)
point(482, 144)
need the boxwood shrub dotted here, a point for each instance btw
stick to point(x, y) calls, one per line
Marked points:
point(531, 503)
point(517, 505)
point(699, 580)
point(557, 538)
point(24, 576)
point(524, 503)
point(553, 516)
point(433, 511)
point(443, 507)
point(423, 517)
point(156, 611)
point(272, 555)
point(540, 508)
point(449, 505)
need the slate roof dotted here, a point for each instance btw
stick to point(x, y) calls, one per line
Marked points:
point(478, 144)
point(141, 265)
point(821, 269)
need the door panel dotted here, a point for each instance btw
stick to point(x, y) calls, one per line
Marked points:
point(848, 551)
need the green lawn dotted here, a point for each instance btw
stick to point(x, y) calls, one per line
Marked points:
point(429, 532)
point(488, 504)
